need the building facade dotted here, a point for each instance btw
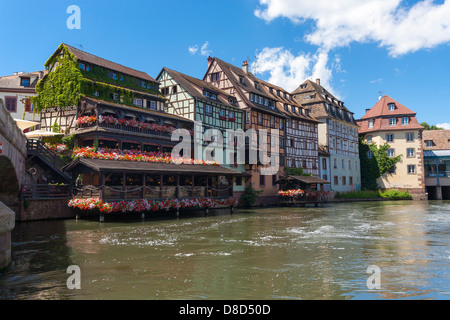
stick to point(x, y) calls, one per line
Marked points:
point(436, 154)
point(337, 133)
point(16, 91)
point(388, 121)
point(208, 106)
point(122, 134)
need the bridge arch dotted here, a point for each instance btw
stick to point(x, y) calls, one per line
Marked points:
point(9, 183)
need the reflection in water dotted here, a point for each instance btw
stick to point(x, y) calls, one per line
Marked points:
point(273, 253)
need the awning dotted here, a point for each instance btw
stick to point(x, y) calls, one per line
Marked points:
point(42, 133)
point(100, 165)
point(25, 124)
point(304, 179)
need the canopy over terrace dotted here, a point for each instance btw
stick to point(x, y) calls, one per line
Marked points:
point(301, 182)
point(116, 180)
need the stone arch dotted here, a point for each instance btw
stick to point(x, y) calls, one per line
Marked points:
point(9, 183)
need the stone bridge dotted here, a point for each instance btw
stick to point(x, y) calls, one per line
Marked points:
point(13, 153)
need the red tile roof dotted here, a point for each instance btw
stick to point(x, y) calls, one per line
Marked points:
point(381, 115)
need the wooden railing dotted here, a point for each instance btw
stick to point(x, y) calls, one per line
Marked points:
point(45, 191)
point(149, 192)
point(125, 128)
point(37, 148)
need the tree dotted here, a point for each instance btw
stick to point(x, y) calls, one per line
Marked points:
point(375, 166)
point(430, 127)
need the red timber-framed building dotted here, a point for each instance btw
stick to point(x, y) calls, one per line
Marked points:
point(268, 107)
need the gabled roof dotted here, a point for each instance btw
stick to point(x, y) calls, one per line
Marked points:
point(233, 73)
point(317, 97)
point(195, 87)
point(381, 109)
point(90, 58)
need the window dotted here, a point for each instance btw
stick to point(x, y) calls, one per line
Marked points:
point(342, 164)
point(257, 86)
point(392, 122)
point(274, 179)
point(238, 181)
point(324, 164)
point(143, 84)
point(262, 180)
point(241, 80)
point(390, 153)
point(350, 164)
point(369, 154)
point(247, 116)
point(174, 89)
point(410, 152)
point(411, 169)
point(121, 79)
point(389, 137)
point(149, 86)
point(336, 180)
point(405, 121)
point(429, 143)
point(88, 68)
point(114, 76)
point(344, 181)
point(350, 181)
point(260, 118)
point(28, 107)
point(215, 77)
point(391, 106)
point(25, 82)
point(370, 124)
point(137, 102)
point(96, 93)
point(82, 66)
point(410, 137)
point(152, 104)
point(231, 115)
point(115, 96)
point(369, 139)
point(335, 163)
point(272, 122)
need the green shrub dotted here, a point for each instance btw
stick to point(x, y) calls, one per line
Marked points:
point(250, 196)
point(396, 195)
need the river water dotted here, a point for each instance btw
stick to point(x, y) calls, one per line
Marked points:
point(270, 253)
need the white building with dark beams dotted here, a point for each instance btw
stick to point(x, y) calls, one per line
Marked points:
point(338, 133)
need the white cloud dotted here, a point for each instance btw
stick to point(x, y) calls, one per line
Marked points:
point(288, 70)
point(379, 80)
point(193, 50)
point(445, 126)
point(390, 23)
point(204, 51)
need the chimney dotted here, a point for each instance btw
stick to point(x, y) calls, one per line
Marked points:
point(210, 60)
point(367, 110)
point(318, 81)
point(245, 66)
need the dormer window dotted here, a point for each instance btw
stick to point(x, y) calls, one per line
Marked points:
point(391, 106)
point(405, 121)
point(25, 82)
point(241, 80)
point(429, 143)
point(286, 107)
point(370, 124)
point(392, 122)
point(278, 93)
point(303, 86)
point(257, 86)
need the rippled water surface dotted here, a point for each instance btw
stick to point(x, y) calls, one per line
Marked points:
point(272, 253)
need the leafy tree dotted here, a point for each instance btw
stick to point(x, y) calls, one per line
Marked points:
point(376, 166)
point(250, 196)
point(430, 127)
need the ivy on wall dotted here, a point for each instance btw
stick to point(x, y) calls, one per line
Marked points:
point(376, 166)
point(65, 84)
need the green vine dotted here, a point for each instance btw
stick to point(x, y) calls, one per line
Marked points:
point(376, 166)
point(66, 83)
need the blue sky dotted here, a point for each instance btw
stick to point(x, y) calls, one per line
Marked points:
point(357, 48)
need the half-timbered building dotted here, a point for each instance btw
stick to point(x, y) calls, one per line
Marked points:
point(268, 107)
point(122, 133)
point(338, 133)
point(209, 107)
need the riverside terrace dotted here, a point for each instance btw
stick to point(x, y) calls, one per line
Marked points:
point(114, 181)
